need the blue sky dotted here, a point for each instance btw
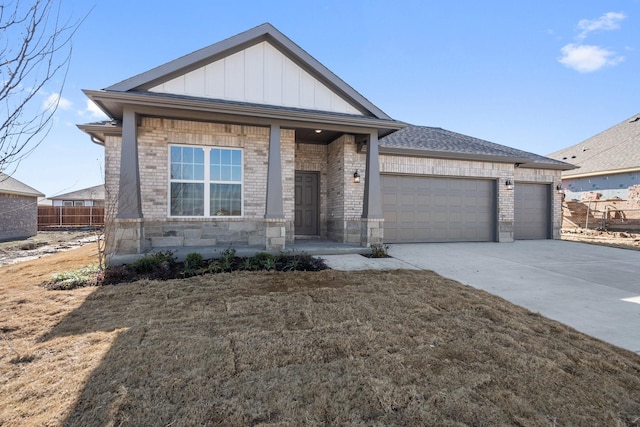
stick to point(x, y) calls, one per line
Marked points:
point(538, 76)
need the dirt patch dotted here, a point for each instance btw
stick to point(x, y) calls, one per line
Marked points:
point(322, 348)
point(616, 239)
point(42, 244)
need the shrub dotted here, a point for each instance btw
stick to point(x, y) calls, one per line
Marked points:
point(192, 262)
point(159, 262)
point(380, 251)
point(264, 261)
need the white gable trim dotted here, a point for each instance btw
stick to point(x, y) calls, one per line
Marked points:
point(259, 74)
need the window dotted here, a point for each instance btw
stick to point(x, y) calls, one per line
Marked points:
point(205, 181)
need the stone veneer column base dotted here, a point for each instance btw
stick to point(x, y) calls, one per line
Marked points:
point(276, 233)
point(126, 236)
point(371, 231)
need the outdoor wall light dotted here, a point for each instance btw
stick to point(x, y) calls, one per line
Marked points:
point(356, 177)
point(509, 184)
point(559, 189)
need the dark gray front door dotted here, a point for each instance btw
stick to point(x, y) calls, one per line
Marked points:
point(532, 211)
point(306, 204)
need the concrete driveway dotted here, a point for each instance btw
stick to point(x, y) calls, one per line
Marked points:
point(594, 289)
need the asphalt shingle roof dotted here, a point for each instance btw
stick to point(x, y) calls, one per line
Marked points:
point(10, 185)
point(447, 144)
point(616, 148)
point(92, 193)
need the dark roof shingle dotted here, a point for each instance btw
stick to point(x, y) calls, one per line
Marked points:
point(617, 148)
point(438, 142)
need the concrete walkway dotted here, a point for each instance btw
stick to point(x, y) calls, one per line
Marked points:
point(594, 289)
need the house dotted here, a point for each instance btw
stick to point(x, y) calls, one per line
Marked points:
point(251, 141)
point(604, 191)
point(91, 196)
point(18, 209)
point(608, 163)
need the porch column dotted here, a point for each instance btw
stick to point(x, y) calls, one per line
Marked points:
point(275, 231)
point(371, 227)
point(274, 208)
point(372, 207)
point(129, 201)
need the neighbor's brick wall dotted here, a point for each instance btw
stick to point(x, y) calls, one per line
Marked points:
point(18, 216)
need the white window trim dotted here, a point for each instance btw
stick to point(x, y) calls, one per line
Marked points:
point(206, 182)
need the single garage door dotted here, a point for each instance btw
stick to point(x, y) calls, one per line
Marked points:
point(532, 211)
point(429, 209)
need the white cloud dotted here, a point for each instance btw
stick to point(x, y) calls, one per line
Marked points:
point(93, 111)
point(588, 58)
point(55, 99)
point(607, 22)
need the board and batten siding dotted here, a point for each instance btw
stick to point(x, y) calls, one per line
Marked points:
point(258, 74)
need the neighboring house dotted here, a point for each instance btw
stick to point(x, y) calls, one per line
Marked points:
point(608, 163)
point(251, 141)
point(92, 196)
point(18, 209)
point(604, 192)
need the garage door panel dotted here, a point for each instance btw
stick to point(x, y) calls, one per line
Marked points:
point(434, 209)
point(532, 211)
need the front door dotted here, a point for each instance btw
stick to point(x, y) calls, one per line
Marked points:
point(306, 204)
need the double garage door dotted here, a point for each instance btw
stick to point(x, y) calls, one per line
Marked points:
point(429, 209)
point(437, 209)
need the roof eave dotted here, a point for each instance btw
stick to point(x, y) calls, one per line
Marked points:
point(452, 155)
point(113, 103)
point(601, 173)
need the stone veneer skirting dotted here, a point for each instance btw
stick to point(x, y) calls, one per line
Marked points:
point(138, 236)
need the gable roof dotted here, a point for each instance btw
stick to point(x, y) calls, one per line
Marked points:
point(616, 149)
point(441, 143)
point(91, 193)
point(9, 185)
point(265, 32)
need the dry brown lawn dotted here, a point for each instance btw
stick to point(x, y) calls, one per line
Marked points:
point(324, 348)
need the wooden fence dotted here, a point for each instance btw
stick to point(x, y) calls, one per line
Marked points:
point(70, 216)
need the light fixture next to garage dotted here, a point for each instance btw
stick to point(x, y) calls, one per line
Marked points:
point(356, 177)
point(509, 184)
point(559, 189)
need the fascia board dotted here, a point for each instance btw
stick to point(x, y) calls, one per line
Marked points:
point(103, 98)
point(601, 173)
point(451, 155)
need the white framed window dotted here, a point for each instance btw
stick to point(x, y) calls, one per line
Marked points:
point(205, 181)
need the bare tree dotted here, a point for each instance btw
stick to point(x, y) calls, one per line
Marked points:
point(35, 52)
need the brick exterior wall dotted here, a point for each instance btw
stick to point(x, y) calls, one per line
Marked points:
point(345, 197)
point(462, 168)
point(485, 170)
point(341, 200)
point(157, 229)
point(18, 216)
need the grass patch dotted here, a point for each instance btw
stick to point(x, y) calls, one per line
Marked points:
point(86, 276)
point(321, 348)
